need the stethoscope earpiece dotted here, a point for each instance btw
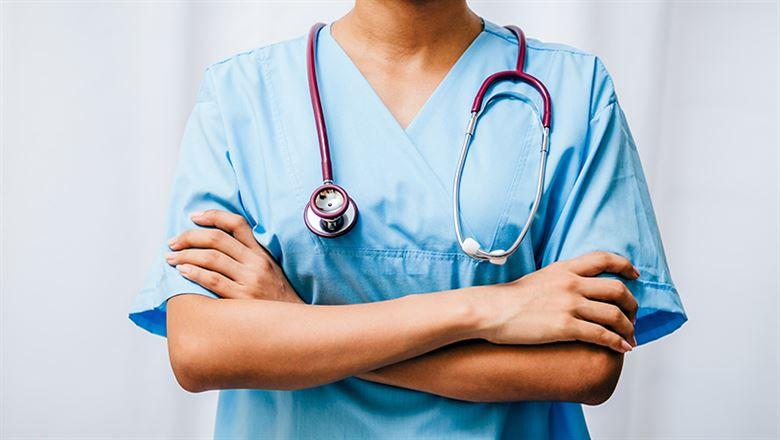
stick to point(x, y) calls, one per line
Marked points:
point(473, 249)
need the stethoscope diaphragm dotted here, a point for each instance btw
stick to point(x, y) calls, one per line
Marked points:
point(330, 211)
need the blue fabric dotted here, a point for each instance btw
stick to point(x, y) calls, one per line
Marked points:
point(250, 147)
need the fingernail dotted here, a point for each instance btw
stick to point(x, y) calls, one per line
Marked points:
point(633, 341)
point(626, 346)
point(196, 214)
point(183, 269)
point(636, 272)
point(170, 255)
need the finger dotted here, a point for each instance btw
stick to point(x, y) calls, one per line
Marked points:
point(234, 224)
point(210, 239)
point(610, 290)
point(210, 259)
point(594, 263)
point(215, 282)
point(607, 315)
point(595, 334)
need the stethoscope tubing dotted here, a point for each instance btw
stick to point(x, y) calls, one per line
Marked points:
point(496, 256)
point(316, 104)
point(339, 221)
point(473, 249)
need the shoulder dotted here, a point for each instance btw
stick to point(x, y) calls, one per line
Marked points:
point(580, 69)
point(248, 68)
point(549, 49)
point(260, 54)
point(578, 66)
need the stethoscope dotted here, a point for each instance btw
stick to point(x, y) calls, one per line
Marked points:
point(331, 212)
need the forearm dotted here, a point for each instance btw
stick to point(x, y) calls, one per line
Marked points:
point(219, 344)
point(479, 371)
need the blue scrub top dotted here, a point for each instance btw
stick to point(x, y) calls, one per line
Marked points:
point(250, 147)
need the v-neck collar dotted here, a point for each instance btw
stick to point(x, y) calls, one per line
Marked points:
point(431, 160)
point(430, 102)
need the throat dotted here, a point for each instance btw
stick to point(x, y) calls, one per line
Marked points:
point(403, 91)
point(403, 60)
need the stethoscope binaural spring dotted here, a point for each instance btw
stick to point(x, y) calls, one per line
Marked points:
point(331, 212)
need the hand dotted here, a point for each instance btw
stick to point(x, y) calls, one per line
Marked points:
point(565, 301)
point(227, 259)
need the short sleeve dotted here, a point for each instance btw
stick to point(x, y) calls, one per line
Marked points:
point(204, 179)
point(609, 209)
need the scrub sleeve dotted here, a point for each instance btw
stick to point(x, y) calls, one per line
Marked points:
point(609, 209)
point(205, 179)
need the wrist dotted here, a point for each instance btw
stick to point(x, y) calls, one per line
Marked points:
point(453, 315)
point(478, 315)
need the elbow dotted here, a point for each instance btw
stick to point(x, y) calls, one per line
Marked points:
point(186, 362)
point(598, 395)
point(194, 359)
point(599, 376)
point(193, 364)
point(188, 377)
point(190, 349)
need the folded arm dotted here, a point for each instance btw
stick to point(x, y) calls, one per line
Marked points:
point(221, 344)
point(266, 337)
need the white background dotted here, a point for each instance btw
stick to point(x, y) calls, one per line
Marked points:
point(94, 100)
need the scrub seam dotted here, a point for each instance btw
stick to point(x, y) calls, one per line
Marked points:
point(532, 43)
point(509, 38)
point(394, 253)
point(597, 113)
point(225, 131)
point(283, 141)
point(658, 285)
point(256, 50)
point(559, 49)
point(234, 56)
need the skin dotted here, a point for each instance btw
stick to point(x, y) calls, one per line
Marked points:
point(556, 334)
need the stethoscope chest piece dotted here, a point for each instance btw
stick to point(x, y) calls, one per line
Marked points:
point(330, 211)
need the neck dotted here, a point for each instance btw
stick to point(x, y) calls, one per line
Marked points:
point(402, 28)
